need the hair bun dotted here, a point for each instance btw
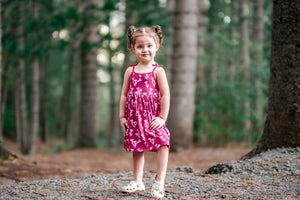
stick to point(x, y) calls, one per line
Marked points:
point(157, 29)
point(130, 33)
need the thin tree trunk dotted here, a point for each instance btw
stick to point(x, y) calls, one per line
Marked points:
point(16, 105)
point(181, 117)
point(202, 21)
point(70, 88)
point(89, 81)
point(234, 37)
point(21, 83)
point(34, 97)
point(34, 108)
point(244, 63)
point(110, 131)
point(3, 101)
point(114, 125)
point(282, 125)
point(22, 103)
point(68, 96)
point(169, 39)
point(214, 62)
point(256, 58)
point(129, 20)
point(1, 118)
point(44, 103)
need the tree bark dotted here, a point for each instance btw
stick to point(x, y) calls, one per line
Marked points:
point(17, 109)
point(169, 39)
point(1, 134)
point(3, 99)
point(244, 63)
point(21, 83)
point(114, 125)
point(256, 59)
point(130, 19)
point(202, 21)
point(44, 103)
point(234, 37)
point(1, 120)
point(34, 108)
point(181, 117)
point(34, 90)
point(68, 99)
point(282, 125)
point(89, 81)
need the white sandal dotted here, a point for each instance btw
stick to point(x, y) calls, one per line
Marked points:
point(158, 190)
point(133, 187)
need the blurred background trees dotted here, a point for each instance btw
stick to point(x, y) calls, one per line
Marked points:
point(63, 61)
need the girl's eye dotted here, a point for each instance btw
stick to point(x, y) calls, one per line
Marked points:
point(139, 46)
point(150, 45)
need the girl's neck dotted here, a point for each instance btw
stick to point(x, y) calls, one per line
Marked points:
point(144, 67)
point(146, 64)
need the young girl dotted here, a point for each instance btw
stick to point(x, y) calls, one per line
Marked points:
point(144, 108)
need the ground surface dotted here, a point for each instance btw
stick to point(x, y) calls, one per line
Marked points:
point(272, 175)
point(84, 162)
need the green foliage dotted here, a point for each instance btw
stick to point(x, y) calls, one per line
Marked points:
point(55, 39)
point(220, 111)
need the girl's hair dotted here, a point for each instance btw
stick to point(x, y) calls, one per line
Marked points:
point(154, 31)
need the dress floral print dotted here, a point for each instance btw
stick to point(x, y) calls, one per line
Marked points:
point(142, 105)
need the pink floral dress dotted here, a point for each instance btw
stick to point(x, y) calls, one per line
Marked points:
point(142, 105)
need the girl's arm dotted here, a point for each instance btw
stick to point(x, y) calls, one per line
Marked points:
point(125, 87)
point(165, 98)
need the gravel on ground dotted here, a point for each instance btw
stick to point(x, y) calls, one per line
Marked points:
point(274, 174)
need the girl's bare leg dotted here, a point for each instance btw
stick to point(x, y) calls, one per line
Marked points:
point(138, 166)
point(162, 163)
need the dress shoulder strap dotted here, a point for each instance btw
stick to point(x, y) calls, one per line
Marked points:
point(133, 66)
point(155, 66)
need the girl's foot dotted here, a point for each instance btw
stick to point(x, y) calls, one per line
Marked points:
point(158, 190)
point(133, 187)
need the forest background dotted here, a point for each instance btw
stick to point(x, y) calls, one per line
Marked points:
point(63, 61)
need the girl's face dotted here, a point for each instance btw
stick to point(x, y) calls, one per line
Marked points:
point(145, 48)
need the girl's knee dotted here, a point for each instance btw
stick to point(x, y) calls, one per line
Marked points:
point(163, 148)
point(137, 154)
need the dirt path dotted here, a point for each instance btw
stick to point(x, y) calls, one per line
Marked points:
point(271, 175)
point(83, 162)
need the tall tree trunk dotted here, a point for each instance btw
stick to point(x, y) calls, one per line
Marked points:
point(234, 37)
point(44, 103)
point(213, 68)
point(256, 59)
point(71, 86)
point(68, 94)
point(114, 125)
point(282, 126)
point(202, 21)
point(34, 90)
point(16, 106)
point(181, 117)
point(244, 63)
point(1, 118)
point(21, 83)
point(89, 81)
point(169, 39)
point(129, 20)
point(3, 98)
point(34, 108)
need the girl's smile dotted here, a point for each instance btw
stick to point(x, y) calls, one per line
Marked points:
point(145, 48)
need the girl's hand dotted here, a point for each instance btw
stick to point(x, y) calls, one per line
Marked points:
point(157, 122)
point(124, 125)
